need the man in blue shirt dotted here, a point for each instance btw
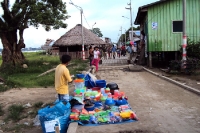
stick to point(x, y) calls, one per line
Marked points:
point(130, 51)
point(113, 51)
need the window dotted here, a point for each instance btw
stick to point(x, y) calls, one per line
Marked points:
point(177, 26)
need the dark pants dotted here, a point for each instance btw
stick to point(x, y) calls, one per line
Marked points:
point(90, 58)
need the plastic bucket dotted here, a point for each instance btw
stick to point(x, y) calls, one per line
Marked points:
point(79, 84)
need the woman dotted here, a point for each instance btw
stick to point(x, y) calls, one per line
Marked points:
point(91, 55)
point(96, 56)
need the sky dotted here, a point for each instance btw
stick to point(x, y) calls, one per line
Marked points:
point(107, 14)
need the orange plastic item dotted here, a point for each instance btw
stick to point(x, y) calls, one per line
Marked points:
point(78, 80)
point(84, 111)
point(122, 93)
point(97, 98)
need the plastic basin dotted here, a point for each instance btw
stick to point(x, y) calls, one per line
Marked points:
point(101, 83)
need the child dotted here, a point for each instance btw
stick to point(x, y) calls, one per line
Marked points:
point(96, 58)
point(62, 78)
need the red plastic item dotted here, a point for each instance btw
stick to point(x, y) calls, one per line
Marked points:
point(96, 89)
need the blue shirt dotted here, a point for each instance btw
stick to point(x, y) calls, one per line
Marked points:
point(113, 49)
point(129, 49)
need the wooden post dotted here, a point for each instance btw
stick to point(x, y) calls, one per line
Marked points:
point(150, 60)
point(176, 55)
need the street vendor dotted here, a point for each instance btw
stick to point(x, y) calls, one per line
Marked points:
point(62, 78)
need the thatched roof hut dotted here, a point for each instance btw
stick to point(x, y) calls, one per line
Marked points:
point(71, 42)
point(74, 37)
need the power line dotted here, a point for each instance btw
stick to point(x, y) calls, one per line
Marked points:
point(86, 20)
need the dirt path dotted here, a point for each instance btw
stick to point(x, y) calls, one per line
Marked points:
point(161, 106)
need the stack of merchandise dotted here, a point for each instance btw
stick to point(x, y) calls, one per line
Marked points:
point(102, 103)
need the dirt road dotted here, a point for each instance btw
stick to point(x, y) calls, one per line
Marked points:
point(161, 106)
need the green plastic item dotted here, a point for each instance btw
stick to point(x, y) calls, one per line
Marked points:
point(84, 117)
point(94, 93)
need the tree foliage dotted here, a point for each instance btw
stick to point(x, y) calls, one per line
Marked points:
point(50, 14)
point(97, 31)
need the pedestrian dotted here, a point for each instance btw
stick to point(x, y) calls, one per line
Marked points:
point(118, 52)
point(96, 58)
point(104, 53)
point(130, 52)
point(62, 78)
point(123, 50)
point(113, 51)
point(91, 55)
point(109, 52)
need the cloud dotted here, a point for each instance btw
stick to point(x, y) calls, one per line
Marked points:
point(106, 13)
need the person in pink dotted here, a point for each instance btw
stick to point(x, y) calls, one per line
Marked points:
point(95, 60)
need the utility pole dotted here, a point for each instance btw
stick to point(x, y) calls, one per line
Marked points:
point(81, 10)
point(131, 39)
point(125, 36)
point(184, 45)
point(121, 38)
point(83, 51)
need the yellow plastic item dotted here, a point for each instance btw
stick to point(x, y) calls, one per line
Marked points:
point(125, 115)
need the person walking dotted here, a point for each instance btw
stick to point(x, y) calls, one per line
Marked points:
point(113, 51)
point(96, 58)
point(118, 52)
point(123, 50)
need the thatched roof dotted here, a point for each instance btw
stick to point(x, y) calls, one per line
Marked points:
point(74, 37)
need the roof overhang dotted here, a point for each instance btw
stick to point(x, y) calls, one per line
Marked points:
point(142, 11)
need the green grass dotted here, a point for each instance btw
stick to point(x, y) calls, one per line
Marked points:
point(15, 112)
point(38, 63)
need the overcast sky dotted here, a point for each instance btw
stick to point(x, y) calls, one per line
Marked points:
point(106, 13)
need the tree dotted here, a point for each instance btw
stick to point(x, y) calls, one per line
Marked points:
point(24, 13)
point(97, 32)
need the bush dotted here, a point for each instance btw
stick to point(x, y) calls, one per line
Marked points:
point(193, 49)
point(189, 66)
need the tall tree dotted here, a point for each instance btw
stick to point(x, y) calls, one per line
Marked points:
point(97, 31)
point(24, 13)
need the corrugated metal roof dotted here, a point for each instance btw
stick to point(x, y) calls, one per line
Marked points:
point(142, 10)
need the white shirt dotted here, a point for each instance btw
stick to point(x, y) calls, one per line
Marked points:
point(96, 54)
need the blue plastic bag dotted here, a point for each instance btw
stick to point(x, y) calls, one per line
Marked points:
point(56, 115)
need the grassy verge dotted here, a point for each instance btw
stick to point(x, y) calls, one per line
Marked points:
point(37, 63)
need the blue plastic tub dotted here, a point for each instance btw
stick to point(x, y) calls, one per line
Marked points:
point(101, 83)
point(80, 76)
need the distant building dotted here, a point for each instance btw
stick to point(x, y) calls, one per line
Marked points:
point(48, 47)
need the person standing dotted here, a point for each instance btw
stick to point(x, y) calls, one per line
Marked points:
point(113, 51)
point(130, 51)
point(123, 50)
point(118, 52)
point(96, 58)
point(91, 55)
point(62, 78)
